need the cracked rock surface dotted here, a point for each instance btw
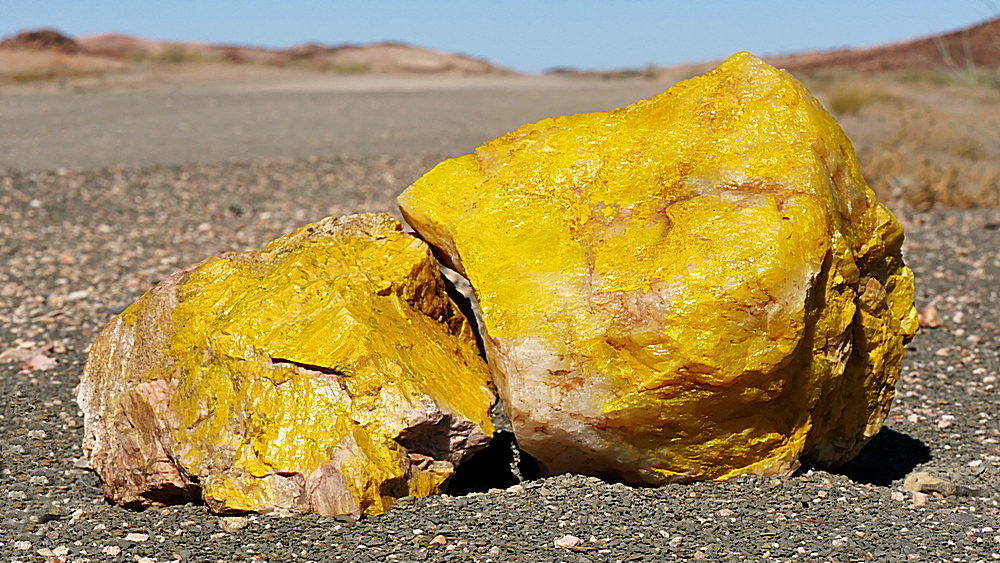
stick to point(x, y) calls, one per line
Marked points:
point(696, 286)
point(327, 373)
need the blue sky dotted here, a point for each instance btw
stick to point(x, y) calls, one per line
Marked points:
point(528, 36)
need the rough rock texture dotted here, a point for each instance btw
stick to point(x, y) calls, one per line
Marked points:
point(695, 286)
point(328, 372)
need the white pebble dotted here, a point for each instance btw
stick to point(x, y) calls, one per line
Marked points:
point(78, 295)
point(567, 542)
point(233, 523)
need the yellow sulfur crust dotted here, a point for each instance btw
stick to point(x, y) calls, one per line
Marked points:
point(695, 286)
point(291, 373)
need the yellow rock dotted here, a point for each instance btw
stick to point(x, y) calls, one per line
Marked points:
point(328, 372)
point(695, 286)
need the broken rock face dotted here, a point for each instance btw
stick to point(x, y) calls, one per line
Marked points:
point(328, 372)
point(695, 286)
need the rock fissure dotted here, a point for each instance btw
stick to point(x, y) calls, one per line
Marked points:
point(340, 372)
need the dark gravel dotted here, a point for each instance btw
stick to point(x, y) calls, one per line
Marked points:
point(78, 246)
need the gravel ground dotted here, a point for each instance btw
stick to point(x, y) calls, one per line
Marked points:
point(76, 247)
point(292, 117)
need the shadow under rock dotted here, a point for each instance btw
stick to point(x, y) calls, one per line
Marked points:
point(499, 465)
point(888, 457)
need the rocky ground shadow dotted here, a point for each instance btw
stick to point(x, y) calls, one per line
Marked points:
point(888, 457)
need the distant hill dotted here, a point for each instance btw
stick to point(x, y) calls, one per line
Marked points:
point(977, 46)
point(380, 58)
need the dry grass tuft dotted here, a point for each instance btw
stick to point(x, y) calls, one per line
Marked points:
point(919, 182)
point(921, 144)
point(852, 97)
point(32, 66)
point(980, 77)
point(174, 54)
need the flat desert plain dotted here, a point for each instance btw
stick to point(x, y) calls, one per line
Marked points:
point(107, 185)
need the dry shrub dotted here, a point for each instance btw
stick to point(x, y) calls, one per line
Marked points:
point(351, 68)
point(849, 99)
point(176, 53)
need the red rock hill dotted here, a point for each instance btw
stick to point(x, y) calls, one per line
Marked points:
point(973, 47)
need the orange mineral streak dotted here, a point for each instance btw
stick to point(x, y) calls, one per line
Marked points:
point(695, 286)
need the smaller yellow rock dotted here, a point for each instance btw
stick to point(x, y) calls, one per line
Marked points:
point(328, 372)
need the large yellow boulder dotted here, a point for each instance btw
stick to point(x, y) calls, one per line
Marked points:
point(328, 372)
point(695, 286)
